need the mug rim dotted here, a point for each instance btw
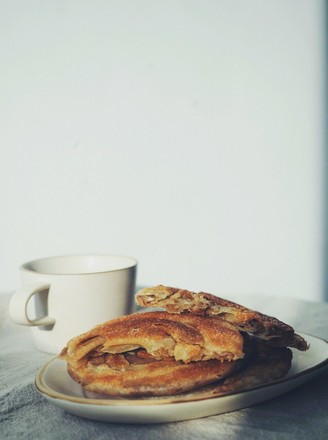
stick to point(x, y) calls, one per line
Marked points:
point(28, 266)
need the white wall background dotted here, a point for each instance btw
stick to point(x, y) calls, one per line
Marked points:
point(186, 133)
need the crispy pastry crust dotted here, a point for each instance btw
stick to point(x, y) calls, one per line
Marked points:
point(125, 378)
point(200, 347)
point(265, 365)
point(185, 338)
point(154, 353)
point(182, 301)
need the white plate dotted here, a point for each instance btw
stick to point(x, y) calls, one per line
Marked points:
point(54, 383)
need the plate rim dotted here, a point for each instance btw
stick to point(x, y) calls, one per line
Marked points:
point(110, 402)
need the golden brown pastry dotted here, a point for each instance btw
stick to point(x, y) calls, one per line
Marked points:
point(134, 374)
point(163, 335)
point(154, 353)
point(265, 365)
point(181, 301)
point(199, 347)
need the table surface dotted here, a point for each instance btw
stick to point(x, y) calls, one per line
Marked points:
point(299, 414)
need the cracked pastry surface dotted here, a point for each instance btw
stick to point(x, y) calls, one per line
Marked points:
point(154, 353)
point(201, 346)
point(180, 301)
point(265, 364)
point(130, 375)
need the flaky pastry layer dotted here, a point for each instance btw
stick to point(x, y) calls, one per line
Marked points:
point(180, 301)
point(125, 375)
point(185, 338)
point(154, 353)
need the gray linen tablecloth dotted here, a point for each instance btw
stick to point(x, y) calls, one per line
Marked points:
point(25, 414)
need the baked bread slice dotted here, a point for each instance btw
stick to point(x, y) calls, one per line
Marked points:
point(181, 301)
point(154, 353)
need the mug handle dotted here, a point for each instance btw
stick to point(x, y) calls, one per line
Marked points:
point(18, 305)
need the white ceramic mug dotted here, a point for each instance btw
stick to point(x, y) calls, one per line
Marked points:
point(65, 296)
